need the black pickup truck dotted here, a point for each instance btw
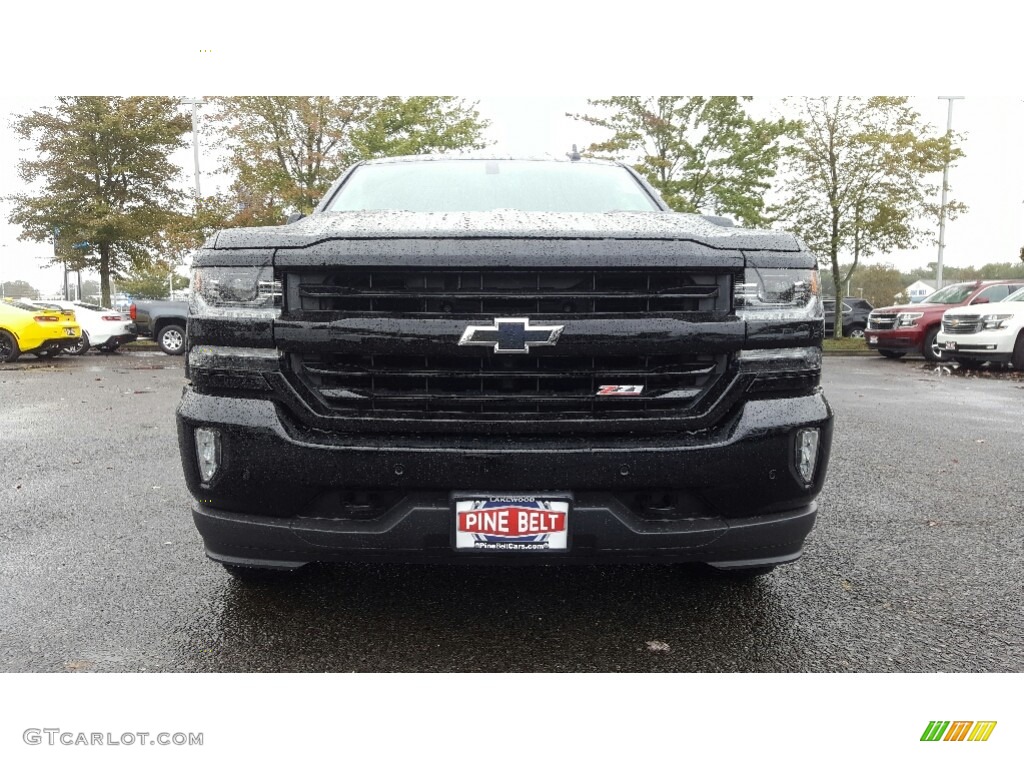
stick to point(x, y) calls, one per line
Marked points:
point(498, 360)
point(162, 321)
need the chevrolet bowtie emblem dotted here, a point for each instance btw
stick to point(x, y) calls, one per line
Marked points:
point(511, 335)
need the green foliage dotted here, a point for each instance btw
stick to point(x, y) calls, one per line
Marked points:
point(286, 151)
point(102, 166)
point(704, 154)
point(151, 281)
point(880, 284)
point(858, 179)
point(19, 289)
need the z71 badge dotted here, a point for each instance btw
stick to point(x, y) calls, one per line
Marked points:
point(620, 389)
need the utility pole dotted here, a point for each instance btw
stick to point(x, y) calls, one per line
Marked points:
point(945, 189)
point(56, 234)
point(195, 103)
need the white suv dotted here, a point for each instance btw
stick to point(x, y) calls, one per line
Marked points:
point(976, 334)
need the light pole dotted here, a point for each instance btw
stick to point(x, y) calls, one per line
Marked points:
point(945, 188)
point(195, 103)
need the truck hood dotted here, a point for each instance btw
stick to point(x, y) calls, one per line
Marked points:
point(920, 307)
point(505, 224)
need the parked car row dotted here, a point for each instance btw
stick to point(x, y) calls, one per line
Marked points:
point(974, 333)
point(102, 328)
point(44, 331)
point(48, 328)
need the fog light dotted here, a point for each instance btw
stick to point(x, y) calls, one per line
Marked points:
point(806, 453)
point(207, 452)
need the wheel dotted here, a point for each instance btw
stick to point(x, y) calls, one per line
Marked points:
point(8, 348)
point(969, 364)
point(857, 332)
point(890, 354)
point(81, 347)
point(172, 339)
point(1017, 359)
point(247, 575)
point(930, 348)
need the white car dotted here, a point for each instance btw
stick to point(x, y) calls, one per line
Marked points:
point(103, 328)
point(981, 333)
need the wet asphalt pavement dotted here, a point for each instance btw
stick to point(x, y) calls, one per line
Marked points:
point(915, 564)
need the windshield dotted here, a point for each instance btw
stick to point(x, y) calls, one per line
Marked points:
point(487, 185)
point(951, 294)
point(1016, 296)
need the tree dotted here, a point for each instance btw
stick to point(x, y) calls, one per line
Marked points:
point(286, 151)
point(880, 284)
point(106, 178)
point(151, 281)
point(704, 154)
point(857, 179)
point(18, 289)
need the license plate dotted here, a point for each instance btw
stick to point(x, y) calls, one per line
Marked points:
point(950, 346)
point(69, 331)
point(872, 341)
point(512, 523)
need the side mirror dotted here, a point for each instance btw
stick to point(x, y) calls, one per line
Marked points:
point(981, 300)
point(293, 217)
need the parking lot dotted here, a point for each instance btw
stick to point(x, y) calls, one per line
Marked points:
point(914, 564)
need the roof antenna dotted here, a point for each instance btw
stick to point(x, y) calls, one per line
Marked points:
point(574, 155)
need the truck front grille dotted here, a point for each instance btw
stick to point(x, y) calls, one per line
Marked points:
point(380, 348)
point(878, 322)
point(962, 324)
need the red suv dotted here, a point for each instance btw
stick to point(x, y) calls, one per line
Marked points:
point(895, 331)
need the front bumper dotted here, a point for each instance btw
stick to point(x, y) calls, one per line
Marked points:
point(277, 497)
point(994, 346)
point(908, 340)
point(418, 531)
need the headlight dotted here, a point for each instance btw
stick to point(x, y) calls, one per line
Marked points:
point(907, 319)
point(787, 293)
point(992, 322)
point(248, 291)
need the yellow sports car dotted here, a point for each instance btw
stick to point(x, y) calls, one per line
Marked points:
point(44, 332)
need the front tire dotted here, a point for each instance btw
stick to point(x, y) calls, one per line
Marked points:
point(1017, 359)
point(9, 351)
point(857, 332)
point(930, 349)
point(172, 339)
